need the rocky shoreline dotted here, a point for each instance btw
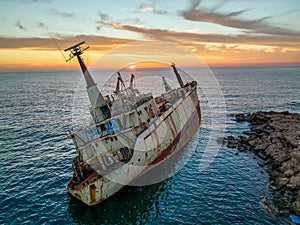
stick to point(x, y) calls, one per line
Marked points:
point(275, 138)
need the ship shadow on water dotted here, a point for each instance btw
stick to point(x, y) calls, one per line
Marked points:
point(130, 205)
point(134, 204)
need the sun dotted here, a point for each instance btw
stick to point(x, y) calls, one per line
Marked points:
point(132, 67)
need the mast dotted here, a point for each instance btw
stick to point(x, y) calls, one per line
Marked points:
point(99, 109)
point(118, 86)
point(131, 80)
point(177, 75)
point(121, 80)
point(166, 85)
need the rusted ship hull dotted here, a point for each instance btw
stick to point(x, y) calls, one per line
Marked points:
point(97, 188)
point(131, 133)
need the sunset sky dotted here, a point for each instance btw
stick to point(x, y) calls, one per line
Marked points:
point(220, 32)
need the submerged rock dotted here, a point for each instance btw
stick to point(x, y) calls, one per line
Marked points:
point(231, 142)
point(220, 140)
point(275, 138)
point(243, 117)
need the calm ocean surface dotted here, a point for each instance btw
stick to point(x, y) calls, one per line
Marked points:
point(35, 163)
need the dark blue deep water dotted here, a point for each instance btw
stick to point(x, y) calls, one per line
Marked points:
point(36, 156)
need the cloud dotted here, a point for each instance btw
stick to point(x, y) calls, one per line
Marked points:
point(105, 19)
point(194, 3)
point(258, 26)
point(173, 35)
point(41, 25)
point(99, 43)
point(256, 32)
point(289, 12)
point(148, 6)
point(35, 1)
point(62, 14)
point(39, 0)
point(20, 26)
point(213, 54)
point(104, 16)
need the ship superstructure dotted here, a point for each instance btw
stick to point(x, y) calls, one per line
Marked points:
point(130, 132)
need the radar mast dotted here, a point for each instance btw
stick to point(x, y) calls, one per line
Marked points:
point(99, 109)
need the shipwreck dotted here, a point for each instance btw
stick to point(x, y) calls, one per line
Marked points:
point(129, 132)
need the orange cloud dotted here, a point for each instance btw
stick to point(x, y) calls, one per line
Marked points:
point(41, 54)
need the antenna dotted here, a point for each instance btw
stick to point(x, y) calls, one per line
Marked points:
point(76, 50)
point(43, 26)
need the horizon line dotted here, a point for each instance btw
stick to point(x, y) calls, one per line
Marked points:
point(215, 66)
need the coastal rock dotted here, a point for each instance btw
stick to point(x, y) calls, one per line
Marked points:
point(262, 156)
point(259, 118)
point(275, 138)
point(255, 142)
point(243, 139)
point(262, 146)
point(249, 133)
point(231, 145)
point(291, 164)
point(278, 209)
point(279, 182)
point(291, 139)
point(296, 155)
point(288, 173)
point(231, 142)
point(258, 128)
point(294, 182)
point(295, 207)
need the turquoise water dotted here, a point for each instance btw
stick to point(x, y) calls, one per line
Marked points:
point(36, 156)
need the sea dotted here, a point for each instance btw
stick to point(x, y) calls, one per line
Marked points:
point(37, 109)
